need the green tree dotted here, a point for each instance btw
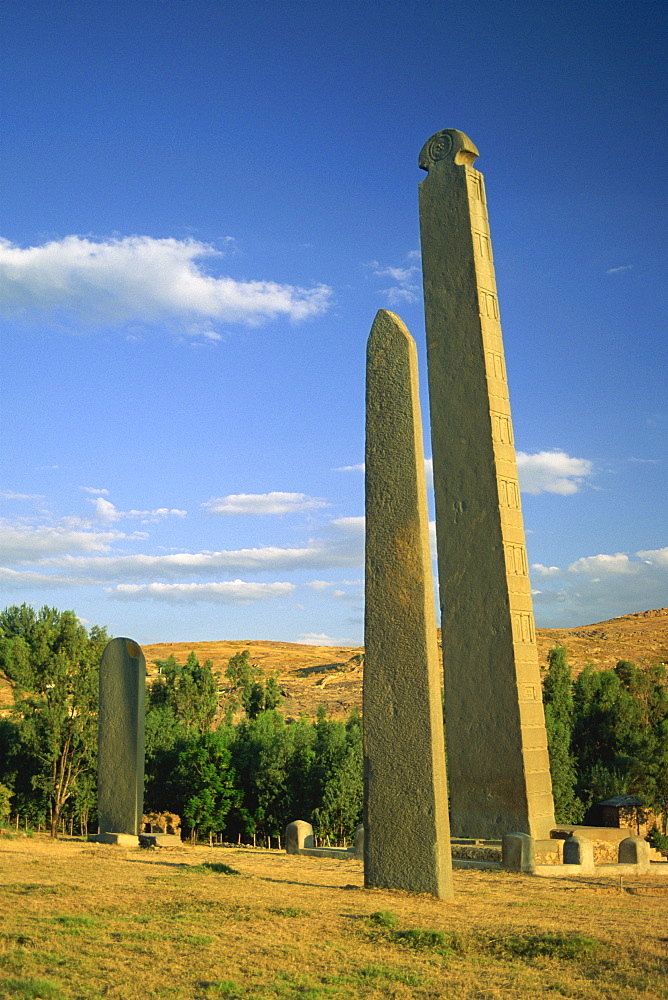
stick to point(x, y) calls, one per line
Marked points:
point(203, 783)
point(261, 754)
point(338, 773)
point(558, 702)
point(5, 803)
point(246, 685)
point(190, 690)
point(53, 664)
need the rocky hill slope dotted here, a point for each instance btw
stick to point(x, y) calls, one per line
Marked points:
point(332, 675)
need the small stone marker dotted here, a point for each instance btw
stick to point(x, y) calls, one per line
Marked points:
point(634, 851)
point(495, 728)
point(407, 839)
point(120, 767)
point(518, 852)
point(579, 851)
point(298, 834)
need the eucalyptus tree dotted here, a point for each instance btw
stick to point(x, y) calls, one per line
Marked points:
point(52, 662)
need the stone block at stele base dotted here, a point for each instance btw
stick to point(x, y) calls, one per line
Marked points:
point(121, 839)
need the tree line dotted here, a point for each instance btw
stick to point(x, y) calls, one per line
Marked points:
point(223, 757)
point(607, 735)
point(220, 753)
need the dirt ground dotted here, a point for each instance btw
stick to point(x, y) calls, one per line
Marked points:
point(81, 920)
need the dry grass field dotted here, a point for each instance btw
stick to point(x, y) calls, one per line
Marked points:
point(81, 921)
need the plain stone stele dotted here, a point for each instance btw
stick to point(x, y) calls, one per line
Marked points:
point(406, 828)
point(121, 738)
point(498, 763)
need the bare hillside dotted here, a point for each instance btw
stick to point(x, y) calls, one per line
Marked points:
point(331, 676)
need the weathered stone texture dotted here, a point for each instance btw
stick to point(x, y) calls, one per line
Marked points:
point(121, 737)
point(405, 814)
point(579, 851)
point(497, 749)
point(298, 835)
point(634, 851)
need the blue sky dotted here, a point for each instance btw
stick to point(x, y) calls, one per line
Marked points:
point(202, 207)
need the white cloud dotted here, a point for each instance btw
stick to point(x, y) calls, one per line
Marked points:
point(655, 557)
point(227, 592)
point(616, 270)
point(317, 639)
point(83, 282)
point(600, 587)
point(106, 511)
point(351, 468)
point(545, 570)
point(26, 543)
point(319, 585)
point(405, 289)
point(618, 563)
point(94, 491)
point(552, 472)
point(13, 579)
point(263, 503)
point(340, 544)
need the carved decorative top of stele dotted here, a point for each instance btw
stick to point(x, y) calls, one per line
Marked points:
point(448, 144)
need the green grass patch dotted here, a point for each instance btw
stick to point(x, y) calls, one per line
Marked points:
point(378, 974)
point(564, 946)
point(30, 989)
point(424, 940)
point(384, 918)
point(210, 866)
point(74, 920)
point(224, 988)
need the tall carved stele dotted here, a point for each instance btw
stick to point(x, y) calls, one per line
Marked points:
point(498, 764)
point(407, 842)
point(120, 738)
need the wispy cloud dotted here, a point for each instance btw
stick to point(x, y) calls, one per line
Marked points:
point(79, 282)
point(616, 270)
point(405, 287)
point(317, 639)
point(25, 543)
point(226, 592)
point(94, 491)
point(86, 557)
point(263, 503)
point(106, 511)
point(552, 472)
point(9, 495)
point(541, 570)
